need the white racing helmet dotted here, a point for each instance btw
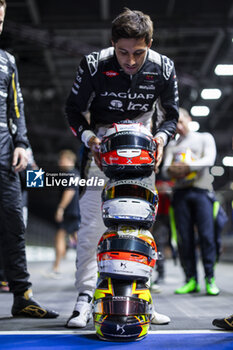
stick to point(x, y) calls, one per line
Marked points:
point(127, 150)
point(129, 202)
point(126, 253)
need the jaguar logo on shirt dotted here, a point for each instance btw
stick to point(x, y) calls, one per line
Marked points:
point(130, 96)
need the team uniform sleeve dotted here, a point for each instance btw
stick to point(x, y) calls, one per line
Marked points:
point(79, 100)
point(16, 111)
point(168, 102)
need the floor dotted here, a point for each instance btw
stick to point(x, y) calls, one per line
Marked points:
point(190, 314)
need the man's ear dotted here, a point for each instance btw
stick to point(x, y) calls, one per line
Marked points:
point(150, 43)
point(113, 44)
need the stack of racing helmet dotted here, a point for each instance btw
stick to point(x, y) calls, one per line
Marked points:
point(126, 252)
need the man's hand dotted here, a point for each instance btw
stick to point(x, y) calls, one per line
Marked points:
point(178, 170)
point(160, 144)
point(94, 144)
point(66, 198)
point(59, 215)
point(20, 159)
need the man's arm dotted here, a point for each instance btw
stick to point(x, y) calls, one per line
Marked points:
point(94, 145)
point(208, 154)
point(66, 198)
point(168, 158)
point(168, 102)
point(79, 100)
point(159, 140)
point(16, 109)
point(17, 118)
point(168, 106)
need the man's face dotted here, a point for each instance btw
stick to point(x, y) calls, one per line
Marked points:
point(2, 15)
point(182, 126)
point(65, 163)
point(131, 54)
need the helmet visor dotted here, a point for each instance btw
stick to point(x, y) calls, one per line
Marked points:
point(121, 306)
point(130, 190)
point(127, 244)
point(127, 139)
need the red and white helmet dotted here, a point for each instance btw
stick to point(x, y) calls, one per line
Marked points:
point(127, 150)
point(126, 252)
point(130, 202)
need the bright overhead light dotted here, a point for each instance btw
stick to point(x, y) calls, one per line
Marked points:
point(200, 111)
point(217, 170)
point(227, 161)
point(224, 69)
point(211, 94)
point(194, 126)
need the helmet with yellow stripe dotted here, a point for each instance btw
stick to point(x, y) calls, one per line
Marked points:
point(122, 310)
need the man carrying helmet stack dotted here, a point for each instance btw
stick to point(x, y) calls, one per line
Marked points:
point(125, 81)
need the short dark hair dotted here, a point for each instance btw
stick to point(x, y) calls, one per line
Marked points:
point(132, 24)
point(3, 4)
